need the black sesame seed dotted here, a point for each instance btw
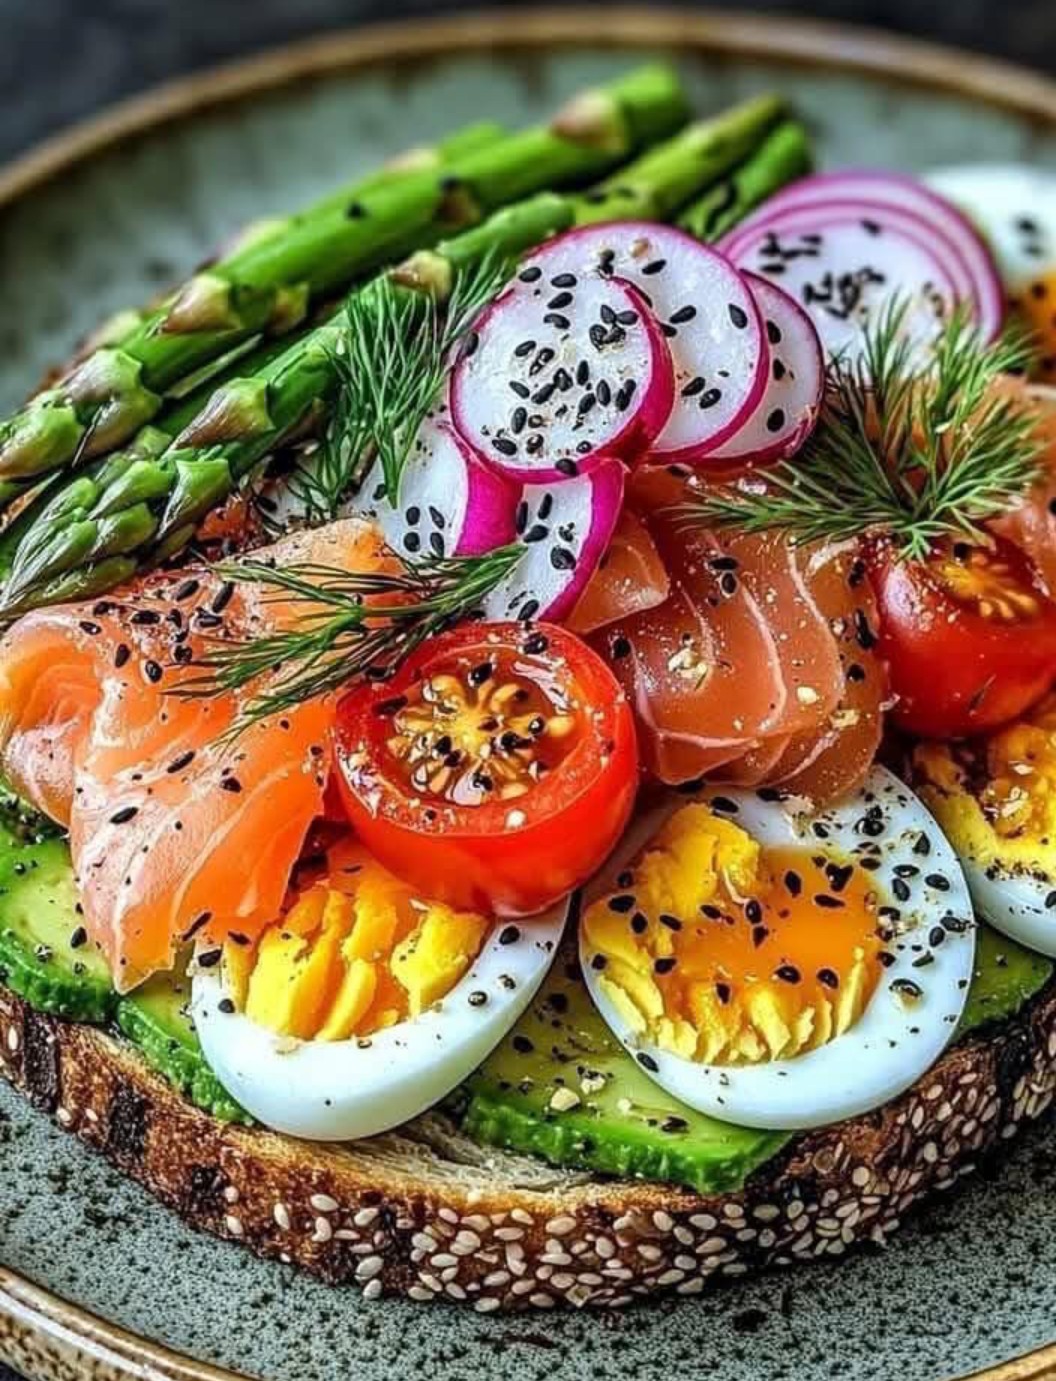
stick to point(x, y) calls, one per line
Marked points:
point(776, 420)
point(223, 597)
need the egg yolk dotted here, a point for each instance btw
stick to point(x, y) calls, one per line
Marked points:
point(355, 952)
point(995, 797)
point(1034, 304)
point(719, 950)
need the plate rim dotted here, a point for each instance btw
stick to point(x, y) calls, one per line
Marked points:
point(38, 1328)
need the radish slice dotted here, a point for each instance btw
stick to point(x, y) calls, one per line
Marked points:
point(565, 528)
point(449, 503)
point(970, 261)
point(707, 313)
point(789, 408)
point(562, 371)
point(843, 262)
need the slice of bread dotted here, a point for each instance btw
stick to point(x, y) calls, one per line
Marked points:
point(427, 1213)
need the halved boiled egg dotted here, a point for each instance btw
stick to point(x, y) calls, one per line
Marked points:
point(365, 1004)
point(1014, 206)
point(995, 797)
point(779, 968)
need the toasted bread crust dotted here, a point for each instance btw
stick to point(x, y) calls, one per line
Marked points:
point(396, 1216)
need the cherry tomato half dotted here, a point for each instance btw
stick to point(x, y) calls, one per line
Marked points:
point(969, 636)
point(495, 771)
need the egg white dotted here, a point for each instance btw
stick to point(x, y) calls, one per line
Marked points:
point(343, 1090)
point(894, 1042)
point(1021, 905)
point(995, 196)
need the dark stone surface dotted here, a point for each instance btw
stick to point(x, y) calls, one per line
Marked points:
point(63, 58)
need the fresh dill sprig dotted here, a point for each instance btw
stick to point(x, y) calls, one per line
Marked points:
point(914, 443)
point(345, 626)
point(393, 351)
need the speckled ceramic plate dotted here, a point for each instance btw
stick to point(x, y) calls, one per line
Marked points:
point(98, 1281)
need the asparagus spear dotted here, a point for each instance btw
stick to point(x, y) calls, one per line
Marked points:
point(267, 283)
point(97, 528)
point(783, 156)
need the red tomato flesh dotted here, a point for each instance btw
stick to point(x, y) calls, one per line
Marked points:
point(495, 771)
point(969, 636)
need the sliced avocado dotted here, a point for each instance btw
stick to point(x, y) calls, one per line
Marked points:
point(629, 1126)
point(45, 956)
point(1006, 977)
point(156, 1018)
point(560, 1086)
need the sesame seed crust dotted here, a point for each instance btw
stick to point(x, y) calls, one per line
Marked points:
point(394, 1216)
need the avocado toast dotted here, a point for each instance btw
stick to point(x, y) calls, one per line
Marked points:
point(459, 859)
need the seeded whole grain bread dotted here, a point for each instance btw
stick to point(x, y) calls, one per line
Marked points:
point(424, 1212)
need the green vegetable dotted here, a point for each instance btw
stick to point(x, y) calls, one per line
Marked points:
point(45, 956)
point(90, 533)
point(783, 156)
point(156, 1019)
point(621, 1122)
point(268, 282)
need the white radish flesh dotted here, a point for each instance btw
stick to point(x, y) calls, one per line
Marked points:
point(789, 408)
point(965, 254)
point(449, 503)
point(706, 311)
point(843, 266)
point(558, 376)
point(565, 528)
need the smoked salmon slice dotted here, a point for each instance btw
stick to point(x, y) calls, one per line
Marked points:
point(702, 670)
point(1032, 526)
point(833, 760)
point(630, 578)
point(174, 832)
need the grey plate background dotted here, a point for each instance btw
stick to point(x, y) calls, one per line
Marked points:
point(973, 1282)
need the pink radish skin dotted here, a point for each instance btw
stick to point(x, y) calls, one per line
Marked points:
point(707, 312)
point(789, 408)
point(899, 192)
point(797, 251)
point(449, 504)
point(566, 528)
point(908, 223)
point(559, 378)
